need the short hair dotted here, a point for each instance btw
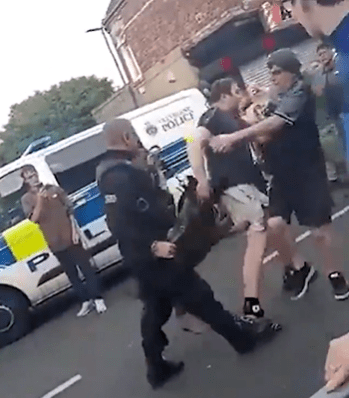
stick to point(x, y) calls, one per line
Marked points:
point(324, 46)
point(26, 168)
point(113, 131)
point(119, 126)
point(220, 87)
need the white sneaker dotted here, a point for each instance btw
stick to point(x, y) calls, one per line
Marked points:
point(86, 308)
point(100, 306)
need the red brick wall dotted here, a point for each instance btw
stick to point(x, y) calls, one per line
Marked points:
point(166, 24)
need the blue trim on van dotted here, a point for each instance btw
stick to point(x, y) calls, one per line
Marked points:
point(175, 157)
point(88, 204)
point(6, 256)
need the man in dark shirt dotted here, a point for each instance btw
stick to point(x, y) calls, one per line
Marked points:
point(299, 184)
point(50, 207)
point(140, 220)
point(236, 178)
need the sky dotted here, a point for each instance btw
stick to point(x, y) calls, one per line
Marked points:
point(44, 42)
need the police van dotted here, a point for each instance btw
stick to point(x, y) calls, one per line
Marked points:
point(29, 272)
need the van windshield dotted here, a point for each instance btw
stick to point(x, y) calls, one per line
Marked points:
point(11, 191)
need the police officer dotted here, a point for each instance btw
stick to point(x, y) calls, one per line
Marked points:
point(140, 221)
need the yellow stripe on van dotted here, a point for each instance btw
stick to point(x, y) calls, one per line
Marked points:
point(25, 239)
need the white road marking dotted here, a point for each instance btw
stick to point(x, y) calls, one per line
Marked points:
point(305, 235)
point(63, 387)
point(320, 394)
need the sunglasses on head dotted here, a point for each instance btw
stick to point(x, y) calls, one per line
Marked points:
point(276, 72)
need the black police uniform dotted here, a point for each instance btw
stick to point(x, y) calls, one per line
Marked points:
point(137, 216)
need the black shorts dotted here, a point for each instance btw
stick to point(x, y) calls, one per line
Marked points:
point(306, 194)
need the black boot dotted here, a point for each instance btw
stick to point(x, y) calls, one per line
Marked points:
point(247, 341)
point(161, 372)
point(255, 331)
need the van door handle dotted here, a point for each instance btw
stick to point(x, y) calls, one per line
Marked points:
point(80, 202)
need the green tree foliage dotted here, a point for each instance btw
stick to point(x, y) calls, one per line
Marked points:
point(60, 112)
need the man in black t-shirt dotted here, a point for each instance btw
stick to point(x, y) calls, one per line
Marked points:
point(236, 178)
point(299, 182)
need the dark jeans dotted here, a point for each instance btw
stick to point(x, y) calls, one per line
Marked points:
point(72, 258)
point(195, 296)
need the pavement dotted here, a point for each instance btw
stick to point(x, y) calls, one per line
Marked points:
point(100, 355)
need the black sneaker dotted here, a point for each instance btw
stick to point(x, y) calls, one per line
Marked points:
point(301, 280)
point(339, 285)
point(160, 374)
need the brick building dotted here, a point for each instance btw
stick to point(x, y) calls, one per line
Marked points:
point(166, 46)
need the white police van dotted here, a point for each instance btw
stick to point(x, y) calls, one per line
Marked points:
point(29, 273)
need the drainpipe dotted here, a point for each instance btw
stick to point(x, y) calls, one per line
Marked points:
point(124, 67)
point(123, 64)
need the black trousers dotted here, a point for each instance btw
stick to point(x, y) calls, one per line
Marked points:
point(196, 297)
point(70, 259)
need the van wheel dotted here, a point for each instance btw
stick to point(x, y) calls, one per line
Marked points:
point(14, 316)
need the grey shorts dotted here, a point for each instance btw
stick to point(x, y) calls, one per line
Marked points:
point(246, 203)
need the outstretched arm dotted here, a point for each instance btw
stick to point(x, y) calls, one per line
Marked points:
point(268, 127)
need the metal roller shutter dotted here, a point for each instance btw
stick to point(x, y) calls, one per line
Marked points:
point(256, 71)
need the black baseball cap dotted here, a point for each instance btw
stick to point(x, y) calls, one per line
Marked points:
point(285, 59)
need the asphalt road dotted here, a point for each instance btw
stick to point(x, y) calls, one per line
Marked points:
point(105, 350)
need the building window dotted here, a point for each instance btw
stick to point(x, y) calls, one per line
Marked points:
point(131, 63)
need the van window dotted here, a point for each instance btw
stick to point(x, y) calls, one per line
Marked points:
point(11, 191)
point(74, 166)
point(71, 180)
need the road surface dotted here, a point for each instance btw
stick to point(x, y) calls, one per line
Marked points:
point(100, 355)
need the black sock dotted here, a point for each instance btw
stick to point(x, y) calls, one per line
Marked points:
point(253, 307)
point(305, 265)
point(289, 267)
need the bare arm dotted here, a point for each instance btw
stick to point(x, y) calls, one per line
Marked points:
point(67, 203)
point(36, 214)
point(266, 128)
point(269, 126)
point(197, 152)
